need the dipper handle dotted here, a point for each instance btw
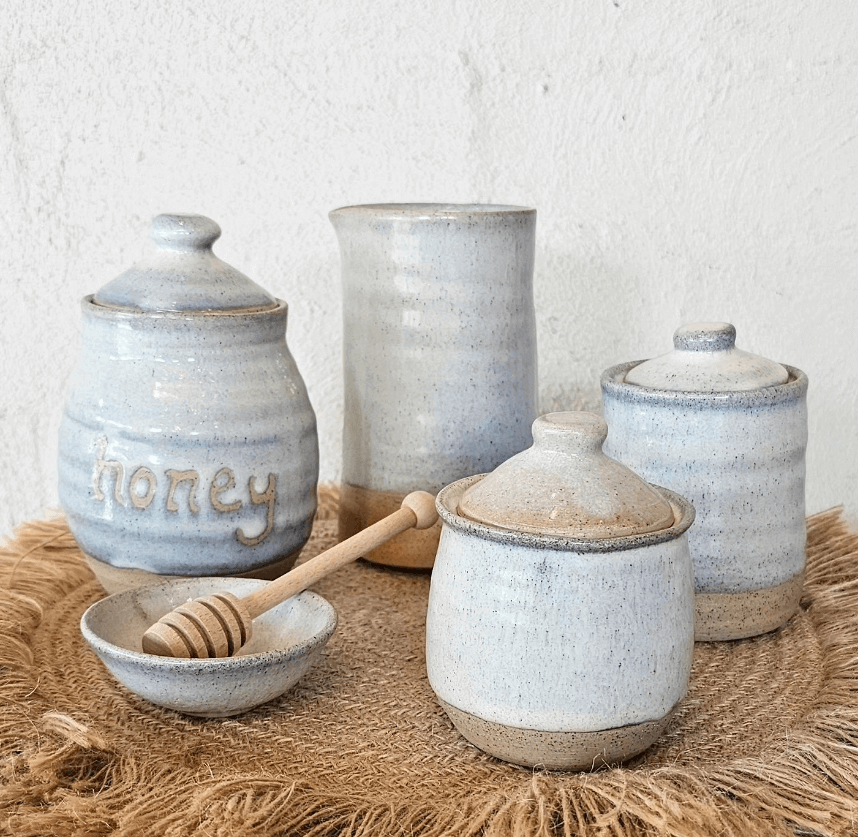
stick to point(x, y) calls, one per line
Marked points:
point(218, 625)
point(417, 511)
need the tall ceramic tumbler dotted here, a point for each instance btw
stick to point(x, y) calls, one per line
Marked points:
point(439, 354)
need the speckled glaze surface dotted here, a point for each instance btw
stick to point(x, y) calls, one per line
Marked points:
point(188, 445)
point(556, 643)
point(705, 359)
point(287, 640)
point(739, 457)
point(439, 353)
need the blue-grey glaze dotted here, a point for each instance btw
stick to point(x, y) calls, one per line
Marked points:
point(739, 457)
point(188, 445)
point(439, 342)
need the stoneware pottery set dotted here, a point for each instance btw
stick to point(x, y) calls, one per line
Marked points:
point(575, 558)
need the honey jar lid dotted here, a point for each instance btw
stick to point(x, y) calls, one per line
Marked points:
point(565, 485)
point(705, 359)
point(181, 273)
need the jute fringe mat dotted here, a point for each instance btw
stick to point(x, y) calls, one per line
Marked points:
point(766, 743)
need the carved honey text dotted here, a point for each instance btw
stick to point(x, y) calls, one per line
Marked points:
point(142, 486)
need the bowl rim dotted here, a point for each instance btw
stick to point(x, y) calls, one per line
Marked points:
point(104, 647)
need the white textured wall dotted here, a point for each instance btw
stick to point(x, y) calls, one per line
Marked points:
point(688, 160)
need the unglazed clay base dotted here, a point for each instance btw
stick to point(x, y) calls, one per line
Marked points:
point(723, 616)
point(557, 750)
point(361, 507)
point(116, 579)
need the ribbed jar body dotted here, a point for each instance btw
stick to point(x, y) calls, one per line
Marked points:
point(439, 354)
point(188, 444)
point(535, 644)
point(739, 457)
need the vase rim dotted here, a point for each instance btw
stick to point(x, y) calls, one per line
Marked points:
point(430, 210)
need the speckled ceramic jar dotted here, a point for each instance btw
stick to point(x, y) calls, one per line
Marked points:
point(728, 430)
point(188, 444)
point(553, 639)
point(439, 354)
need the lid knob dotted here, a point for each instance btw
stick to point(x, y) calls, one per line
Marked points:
point(184, 232)
point(705, 337)
point(574, 432)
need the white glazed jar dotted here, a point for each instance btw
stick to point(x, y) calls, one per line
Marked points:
point(439, 354)
point(728, 430)
point(560, 626)
point(188, 444)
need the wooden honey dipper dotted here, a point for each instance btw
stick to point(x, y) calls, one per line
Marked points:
point(218, 625)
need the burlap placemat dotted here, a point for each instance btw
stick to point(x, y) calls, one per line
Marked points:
point(765, 743)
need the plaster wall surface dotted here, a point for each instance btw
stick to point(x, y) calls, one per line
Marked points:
point(689, 161)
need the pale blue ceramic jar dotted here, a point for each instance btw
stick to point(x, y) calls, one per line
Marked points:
point(188, 446)
point(728, 430)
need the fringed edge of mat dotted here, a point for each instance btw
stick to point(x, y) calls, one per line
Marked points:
point(71, 781)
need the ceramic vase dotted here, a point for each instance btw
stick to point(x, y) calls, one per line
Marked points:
point(727, 430)
point(188, 444)
point(439, 354)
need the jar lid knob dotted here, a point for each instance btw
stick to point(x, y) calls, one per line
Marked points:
point(573, 432)
point(184, 232)
point(705, 337)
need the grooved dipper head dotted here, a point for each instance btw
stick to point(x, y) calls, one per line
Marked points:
point(214, 626)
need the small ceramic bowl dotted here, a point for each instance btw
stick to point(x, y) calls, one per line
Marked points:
point(286, 642)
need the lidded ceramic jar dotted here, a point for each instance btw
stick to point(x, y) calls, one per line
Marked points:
point(728, 430)
point(188, 445)
point(439, 355)
point(560, 626)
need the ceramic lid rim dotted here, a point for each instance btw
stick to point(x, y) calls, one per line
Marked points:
point(614, 383)
point(94, 308)
point(448, 499)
